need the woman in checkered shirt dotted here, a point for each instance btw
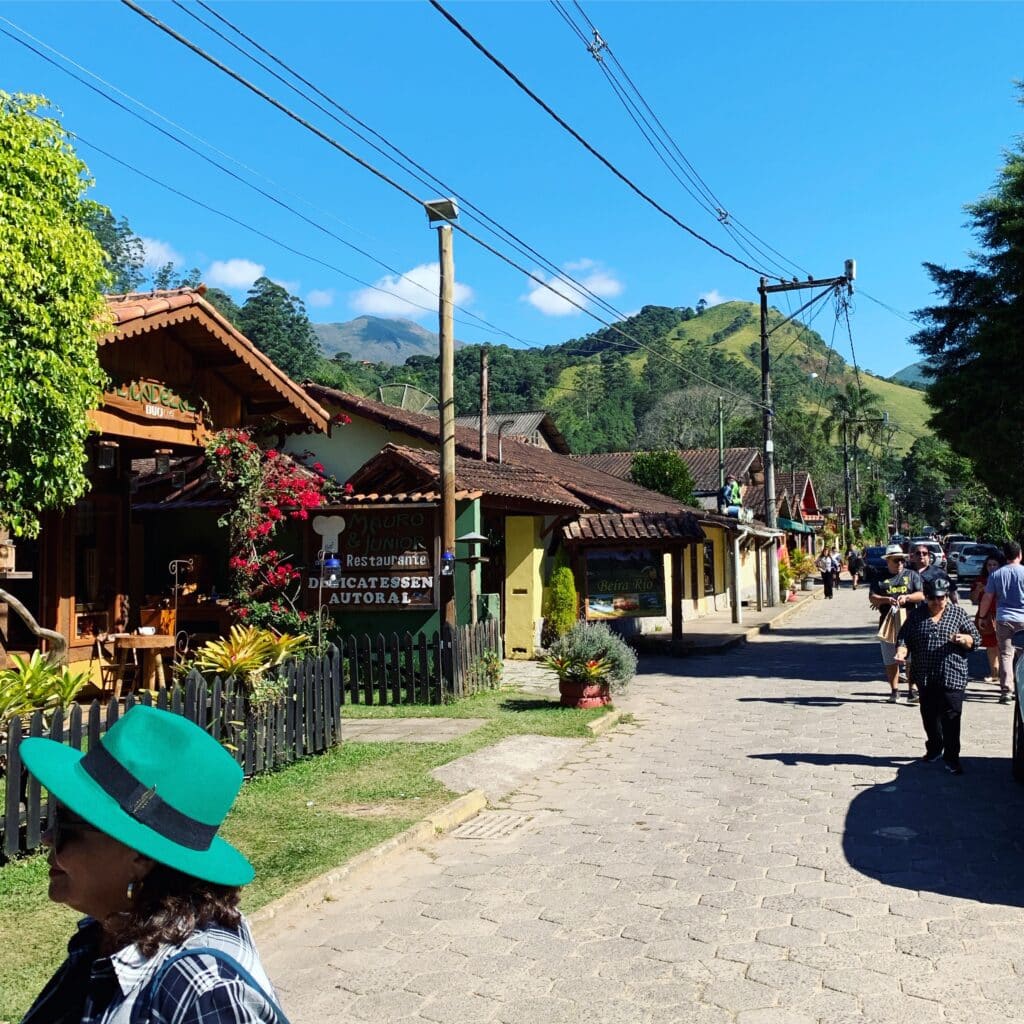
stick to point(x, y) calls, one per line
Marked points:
point(133, 845)
point(938, 637)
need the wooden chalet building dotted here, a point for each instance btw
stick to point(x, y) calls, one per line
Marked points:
point(178, 371)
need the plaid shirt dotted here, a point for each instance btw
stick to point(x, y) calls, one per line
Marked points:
point(935, 660)
point(91, 989)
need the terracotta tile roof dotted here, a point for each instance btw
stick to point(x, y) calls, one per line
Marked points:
point(614, 528)
point(702, 463)
point(255, 376)
point(404, 467)
point(594, 488)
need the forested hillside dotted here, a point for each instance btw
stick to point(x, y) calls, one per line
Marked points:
point(653, 381)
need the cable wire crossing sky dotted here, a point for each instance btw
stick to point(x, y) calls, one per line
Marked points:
point(605, 156)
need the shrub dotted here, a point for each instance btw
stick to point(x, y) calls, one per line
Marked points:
point(588, 643)
point(247, 655)
point(801, 564)
point(36, 683)
point(562, 605)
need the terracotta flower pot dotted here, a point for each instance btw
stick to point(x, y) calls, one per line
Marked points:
point(583, 695)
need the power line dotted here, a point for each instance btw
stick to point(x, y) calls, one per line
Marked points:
point(236, 76)
point(659, 138)
point(424, 176)
point(480, 321)
point(582, 141)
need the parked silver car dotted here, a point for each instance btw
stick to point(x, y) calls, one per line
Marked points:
point(953, 552)
point(972, 561)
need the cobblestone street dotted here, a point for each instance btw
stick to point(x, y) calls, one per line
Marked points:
point(757, 847)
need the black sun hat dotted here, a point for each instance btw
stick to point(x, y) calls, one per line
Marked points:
point(938, 587)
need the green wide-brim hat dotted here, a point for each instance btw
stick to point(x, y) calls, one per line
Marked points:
point(155, 782)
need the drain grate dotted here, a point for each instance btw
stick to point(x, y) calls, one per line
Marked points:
point(492, 825)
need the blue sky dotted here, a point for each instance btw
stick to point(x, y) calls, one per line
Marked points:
point(829, 129)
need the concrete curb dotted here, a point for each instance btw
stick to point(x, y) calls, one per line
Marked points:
point(605, 722)
point(328, 885)
point(767, 627)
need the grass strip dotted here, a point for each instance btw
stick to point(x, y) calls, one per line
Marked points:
point(293, 824)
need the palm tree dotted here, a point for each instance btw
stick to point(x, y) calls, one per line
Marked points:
point(860, 408)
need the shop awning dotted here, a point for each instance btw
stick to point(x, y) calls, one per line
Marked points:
point(793, 526)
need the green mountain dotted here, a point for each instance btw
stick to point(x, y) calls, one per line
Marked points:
point(377, 340)
point(722, 344)
point(913, 376)
point(656, 380)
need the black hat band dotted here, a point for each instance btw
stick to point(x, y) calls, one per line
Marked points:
point(142, 802)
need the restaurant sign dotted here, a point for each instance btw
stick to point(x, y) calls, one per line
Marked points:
point(152, 399)
point(625, 584)
point(385, 557)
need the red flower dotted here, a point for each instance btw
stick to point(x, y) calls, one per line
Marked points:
point(243, 613)
point(222, 450)
point(349, 489)
point(318, 466)
point(272, 453)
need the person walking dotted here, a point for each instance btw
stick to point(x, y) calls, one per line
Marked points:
point(1004, 593)
point(987, 626)
point(133, 845)
point(824, 566)
point(891, 594)
point(837, 567)
point(855, 566)
point(921, 562)
point(937, 638)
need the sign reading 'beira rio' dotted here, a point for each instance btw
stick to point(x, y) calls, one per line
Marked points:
point(386, 559)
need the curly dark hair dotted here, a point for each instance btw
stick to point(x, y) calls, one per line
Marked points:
point(169, 906)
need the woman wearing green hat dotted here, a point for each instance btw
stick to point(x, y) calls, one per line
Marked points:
point(133, 846)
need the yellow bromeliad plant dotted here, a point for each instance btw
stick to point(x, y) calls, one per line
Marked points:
point(247, 654)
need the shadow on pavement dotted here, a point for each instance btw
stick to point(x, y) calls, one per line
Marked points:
point(927, 830)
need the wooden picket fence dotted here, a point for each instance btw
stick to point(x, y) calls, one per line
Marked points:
point(306, 721)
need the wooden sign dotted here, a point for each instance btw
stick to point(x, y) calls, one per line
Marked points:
point(386, 562)
point(152, 400)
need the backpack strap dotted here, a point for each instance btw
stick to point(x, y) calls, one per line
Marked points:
point(218, 954)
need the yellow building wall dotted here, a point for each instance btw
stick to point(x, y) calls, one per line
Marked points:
point(524, 584)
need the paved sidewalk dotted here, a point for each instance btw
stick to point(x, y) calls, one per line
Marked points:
point(759, 848)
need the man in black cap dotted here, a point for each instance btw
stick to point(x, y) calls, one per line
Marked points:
point(938, 637)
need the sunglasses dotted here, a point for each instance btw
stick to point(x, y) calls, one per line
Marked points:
point(65, 824)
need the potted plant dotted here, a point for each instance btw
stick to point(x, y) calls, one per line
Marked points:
point(802, 566)
point(591, 662)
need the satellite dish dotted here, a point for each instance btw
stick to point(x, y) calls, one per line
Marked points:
point(408, 396)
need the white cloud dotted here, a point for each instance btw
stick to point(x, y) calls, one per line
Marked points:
point(713, 297)
point(318, 298)
point(291, 287)
point(408, 294)
point(589, 273)
point(235, 273)
point(159, 253)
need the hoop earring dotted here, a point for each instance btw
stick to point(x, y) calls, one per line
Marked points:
point(133, 888)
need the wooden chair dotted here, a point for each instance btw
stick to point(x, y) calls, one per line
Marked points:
point(117, 666)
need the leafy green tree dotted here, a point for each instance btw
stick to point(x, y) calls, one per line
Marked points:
point(52, 270)
point(875, 513)
point(974, 339)
point(224, 304)
point(168, 276)
point(665, 472)
point(277, 324)
point(124, 249)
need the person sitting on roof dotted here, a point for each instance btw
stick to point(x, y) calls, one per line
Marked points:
point(730, 501)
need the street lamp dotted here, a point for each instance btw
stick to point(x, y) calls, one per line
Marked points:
point(441, 213)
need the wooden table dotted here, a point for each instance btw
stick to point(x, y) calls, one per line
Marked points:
point(153, 648)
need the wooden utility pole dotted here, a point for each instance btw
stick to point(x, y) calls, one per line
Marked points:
point(721, 445)
point(483, 403)
point(768, 410)
point(446, 321)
